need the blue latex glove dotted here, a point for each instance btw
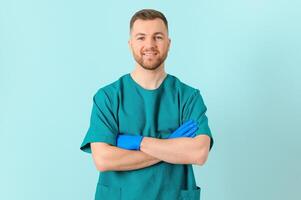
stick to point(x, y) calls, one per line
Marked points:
point(129, 142)
point(132, 142)
point(188, 129)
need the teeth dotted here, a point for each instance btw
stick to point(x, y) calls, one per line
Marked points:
point(148, 54)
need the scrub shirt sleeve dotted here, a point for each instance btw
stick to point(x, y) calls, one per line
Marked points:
point(196, 109)
point(103, 126)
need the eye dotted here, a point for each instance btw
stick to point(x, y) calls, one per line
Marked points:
point(159, 37)
point(140, 38)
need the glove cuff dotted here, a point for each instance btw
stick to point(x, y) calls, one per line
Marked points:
point(140, 140)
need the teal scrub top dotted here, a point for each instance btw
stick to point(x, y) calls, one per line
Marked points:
point(126, 107)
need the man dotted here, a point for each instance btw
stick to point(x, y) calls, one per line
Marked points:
point(148, 128)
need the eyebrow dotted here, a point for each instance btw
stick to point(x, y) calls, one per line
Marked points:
point(142, 34)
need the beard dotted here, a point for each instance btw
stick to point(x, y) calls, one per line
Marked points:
point(150, 63)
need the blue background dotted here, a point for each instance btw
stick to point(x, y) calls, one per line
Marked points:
point(243, 55)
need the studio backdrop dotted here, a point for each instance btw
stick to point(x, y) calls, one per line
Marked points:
point(244, 56)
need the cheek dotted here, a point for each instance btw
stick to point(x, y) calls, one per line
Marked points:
point(163, 49)
point(163, 46)
point(137, 48)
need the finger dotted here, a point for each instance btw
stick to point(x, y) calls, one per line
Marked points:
point(191, 131)
point(187, 123)
point(191, 135)
point(189, 127)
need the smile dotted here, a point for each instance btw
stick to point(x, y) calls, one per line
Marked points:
point(150, 54)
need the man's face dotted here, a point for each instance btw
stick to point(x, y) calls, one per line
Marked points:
point(149, 43)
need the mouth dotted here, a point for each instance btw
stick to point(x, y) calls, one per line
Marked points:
point(149, 54)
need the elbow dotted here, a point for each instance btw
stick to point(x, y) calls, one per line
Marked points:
point(200, 158)
point(101, 167)
point(101, 164)
point(98, 163)
point(200, 161)
point(100, 158)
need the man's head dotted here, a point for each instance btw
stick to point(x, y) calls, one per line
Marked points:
point(149, 41)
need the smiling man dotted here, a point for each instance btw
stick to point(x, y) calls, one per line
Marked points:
point(149, 48)
point(147, 128)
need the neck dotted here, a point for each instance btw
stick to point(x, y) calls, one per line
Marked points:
point(149, 79)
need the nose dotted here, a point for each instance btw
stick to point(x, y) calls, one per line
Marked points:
point(150, 43)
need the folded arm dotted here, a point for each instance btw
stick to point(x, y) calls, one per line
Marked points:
point(179, 150)
point(111, 158)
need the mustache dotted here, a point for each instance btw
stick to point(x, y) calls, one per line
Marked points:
point(153, 51)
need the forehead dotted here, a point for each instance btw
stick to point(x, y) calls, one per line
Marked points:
point(149, 26)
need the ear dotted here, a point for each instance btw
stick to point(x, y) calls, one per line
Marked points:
point(169, 43)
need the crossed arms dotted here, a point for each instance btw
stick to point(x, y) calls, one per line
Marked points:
point(177, 151)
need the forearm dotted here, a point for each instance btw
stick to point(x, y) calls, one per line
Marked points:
point(116, 159)
point(176, 151)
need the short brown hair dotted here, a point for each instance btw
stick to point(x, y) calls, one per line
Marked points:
point(148, 14)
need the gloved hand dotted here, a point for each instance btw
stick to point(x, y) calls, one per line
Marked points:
point(129, 142)
point(187, 129)
point(132, 142)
